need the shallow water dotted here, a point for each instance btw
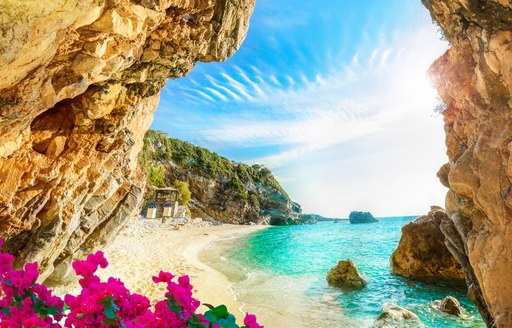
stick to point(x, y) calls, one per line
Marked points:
point(279, 274)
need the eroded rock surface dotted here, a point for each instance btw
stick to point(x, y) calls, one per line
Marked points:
point(393, 316)
point(79, 84)
point(345, 274)
point(422, 253)
point(449, 305)
point(474, 79)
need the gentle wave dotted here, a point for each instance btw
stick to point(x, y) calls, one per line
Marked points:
point(279, 274)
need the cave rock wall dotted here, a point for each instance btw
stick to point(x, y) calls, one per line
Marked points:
point(79, 84)
point(474, 79)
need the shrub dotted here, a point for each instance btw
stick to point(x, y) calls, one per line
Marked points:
point(25, 303)
point(184, 189)
point(156, 175)
point(253, 199)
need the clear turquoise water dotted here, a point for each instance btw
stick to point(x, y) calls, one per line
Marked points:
point(279, 273)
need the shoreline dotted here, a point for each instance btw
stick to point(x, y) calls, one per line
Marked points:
point(144, 248)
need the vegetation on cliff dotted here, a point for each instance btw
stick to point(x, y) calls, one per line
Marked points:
point(222, 189)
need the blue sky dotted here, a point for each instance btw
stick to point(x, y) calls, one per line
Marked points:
point(332, 96)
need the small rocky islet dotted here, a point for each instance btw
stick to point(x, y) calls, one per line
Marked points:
point(357, 217)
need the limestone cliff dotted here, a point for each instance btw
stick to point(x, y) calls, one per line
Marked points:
point(79, 84)
point(221, 189)
point(421, 252)
point(474, 79)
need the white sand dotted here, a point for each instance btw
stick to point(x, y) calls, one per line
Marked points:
point(146, 247)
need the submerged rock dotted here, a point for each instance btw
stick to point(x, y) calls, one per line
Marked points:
point(361, 217)
point(345, 274)
point(449, 305)
point(422, 253)
point(394, 316)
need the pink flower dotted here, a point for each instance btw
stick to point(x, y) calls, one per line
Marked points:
point(25, 303)
point(250, 321)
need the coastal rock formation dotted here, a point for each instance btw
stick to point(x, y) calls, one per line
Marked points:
point(345, 274)
point(450, 305)
point(393, 316)
point(361, 217)
point(79, 84)
point(222, 190)
point(474, 80)
point(422, 253)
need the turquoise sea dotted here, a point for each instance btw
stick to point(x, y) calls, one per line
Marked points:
point(279, 274)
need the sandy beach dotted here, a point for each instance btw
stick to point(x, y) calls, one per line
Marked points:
point(145, 247)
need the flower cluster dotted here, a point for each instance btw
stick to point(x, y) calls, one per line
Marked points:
point(25, 303)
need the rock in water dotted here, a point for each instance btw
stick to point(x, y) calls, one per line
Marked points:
point(394, 316)
point(361, 217)
point(450, 305)
point(345, 274)
point(79, 84)
point(474, 81)
point(422, 253)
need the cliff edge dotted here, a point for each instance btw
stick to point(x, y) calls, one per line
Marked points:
point(221, 189)
point(474, 80)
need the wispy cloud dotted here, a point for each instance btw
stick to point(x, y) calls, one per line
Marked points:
point(306, 114)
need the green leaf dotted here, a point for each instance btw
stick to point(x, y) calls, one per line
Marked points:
point(211, 307)
point(66, 307)
point(107, 302)
point(8, 282)
point(110, 322)
point(6, 311)
point(110, 313)
point(210, 317)
point(52, 310)
point(220, 311)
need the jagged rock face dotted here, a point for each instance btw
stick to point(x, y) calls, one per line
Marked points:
point(395, 316)
point(474, 79)
point(421, 252)
point(79, 84)
point(449, 305)
point(212, 180)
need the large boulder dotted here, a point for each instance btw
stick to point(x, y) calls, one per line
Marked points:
point(361, 217)
point(394, 316)
point(345, 274)
point(422, 253)
point(449, 305)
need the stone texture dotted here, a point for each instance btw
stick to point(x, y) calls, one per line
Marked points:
point(393, 316)
point(345, 274)
point(421, 252)
point(79, 84)
point(450, 305)
point(474, 79)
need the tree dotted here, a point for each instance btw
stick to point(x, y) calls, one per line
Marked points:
point(156, 175)
point(184, 189)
